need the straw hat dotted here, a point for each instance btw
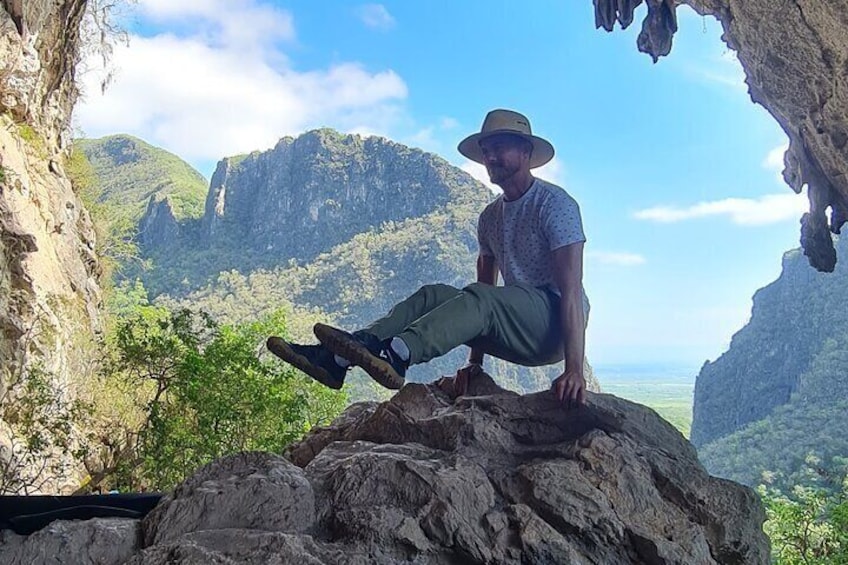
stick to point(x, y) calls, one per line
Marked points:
point(507, 121)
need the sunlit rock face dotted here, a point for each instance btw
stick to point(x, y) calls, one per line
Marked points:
point(49, 293)
point(492, 477)
point(310, 193)
point(795, 56)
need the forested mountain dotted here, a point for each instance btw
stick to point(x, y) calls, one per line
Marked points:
point(778, 395)
point(791, 320)
point(300, 199)
point(129, 172)
point(344, 225)
point(803, 442)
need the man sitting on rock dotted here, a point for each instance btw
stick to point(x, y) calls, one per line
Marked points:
point(533, 235)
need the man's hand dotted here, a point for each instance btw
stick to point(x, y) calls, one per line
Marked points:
point(463, 377)
point(570, 387)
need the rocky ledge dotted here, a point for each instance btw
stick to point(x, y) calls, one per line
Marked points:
point(492, 477)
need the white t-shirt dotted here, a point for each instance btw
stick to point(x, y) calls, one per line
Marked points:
point(521, 234)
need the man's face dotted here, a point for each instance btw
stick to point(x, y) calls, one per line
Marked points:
point(504, 155)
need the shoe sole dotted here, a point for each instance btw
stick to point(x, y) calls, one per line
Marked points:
point(281, 349)
point(344, 345)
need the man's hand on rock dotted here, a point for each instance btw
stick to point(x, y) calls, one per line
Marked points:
point(570, 388)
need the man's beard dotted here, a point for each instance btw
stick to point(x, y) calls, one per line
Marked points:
point(499, 173)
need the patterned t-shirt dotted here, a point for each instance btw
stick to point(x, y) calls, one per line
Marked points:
point(521, 234)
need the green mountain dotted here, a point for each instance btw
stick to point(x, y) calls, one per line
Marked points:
point(803, 442)
point(777, 397)
point(129, 172)
point(299, 200)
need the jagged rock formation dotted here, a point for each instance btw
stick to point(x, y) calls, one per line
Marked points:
point(491, 478)
point(791, 321)
point(158, 227)
point(49, 293)
point(313, 192)
point(795, 56)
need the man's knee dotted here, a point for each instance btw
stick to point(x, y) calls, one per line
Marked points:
point(478, 289)
point(436, 292)
point(436, 288)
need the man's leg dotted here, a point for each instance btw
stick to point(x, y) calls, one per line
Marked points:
point(404, 313)
point(519, 323)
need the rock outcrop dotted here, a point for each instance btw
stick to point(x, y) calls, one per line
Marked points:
point(158, 227)
point(795, 56)
point(490, 478)
point(49, 293)
point(127, 173)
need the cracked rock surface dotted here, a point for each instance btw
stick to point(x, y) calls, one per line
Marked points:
point(493, 477)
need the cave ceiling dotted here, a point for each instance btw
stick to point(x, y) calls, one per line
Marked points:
point(795, 57)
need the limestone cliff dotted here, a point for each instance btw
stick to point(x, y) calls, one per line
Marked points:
point(795, 56)
point(311, 193)
point(492, 477)
point(792, 320)
point(49, 294)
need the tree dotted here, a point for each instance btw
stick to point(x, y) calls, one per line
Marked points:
point(207, 391)
point(808, 526)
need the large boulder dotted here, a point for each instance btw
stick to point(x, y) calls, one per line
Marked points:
point(99, 541)
point(492, 477)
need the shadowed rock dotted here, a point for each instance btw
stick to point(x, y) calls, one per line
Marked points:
point(103, 541)
point(492, 477)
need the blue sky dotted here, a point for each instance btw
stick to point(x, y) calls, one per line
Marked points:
point(676, 170)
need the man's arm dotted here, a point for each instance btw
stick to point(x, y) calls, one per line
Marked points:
point(568, 275)
point(487, 272)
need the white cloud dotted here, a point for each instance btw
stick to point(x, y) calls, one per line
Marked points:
point(431, 137)
point(424, 138)
point(768, 209)
point(722, 69)
point(725, 70)
point(616, 258)
point(774, 161)
point(448, 123)
point(552, 171)
point(226, 88)
point(230, 22)
point(376, 16)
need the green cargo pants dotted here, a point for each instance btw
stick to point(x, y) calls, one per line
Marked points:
point(517, 323)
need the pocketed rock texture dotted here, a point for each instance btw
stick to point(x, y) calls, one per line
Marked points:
point(490, 478)
point(795, 56)
point(49, 291)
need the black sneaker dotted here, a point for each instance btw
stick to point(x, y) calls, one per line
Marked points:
point(314, 360)
point(361, 348)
